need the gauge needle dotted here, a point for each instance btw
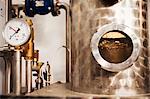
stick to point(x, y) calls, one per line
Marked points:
point(16, 31)
point(12, 28)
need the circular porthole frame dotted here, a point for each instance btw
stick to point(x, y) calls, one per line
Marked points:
point(115, 67)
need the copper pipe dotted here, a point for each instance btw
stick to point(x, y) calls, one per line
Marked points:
point(29, 75)
point(66, 7)
point(28, 50)
point(8, 75)
point(29, 61)
point(8, 60)
point(17, 72)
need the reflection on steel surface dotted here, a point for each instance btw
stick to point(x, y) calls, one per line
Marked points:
point(90, 73)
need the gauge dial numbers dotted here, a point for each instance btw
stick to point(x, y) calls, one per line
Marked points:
point(17, 32)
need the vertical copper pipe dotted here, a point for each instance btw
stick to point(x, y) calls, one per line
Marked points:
point(29, 75)
point(66, 7)
point(28, 55)
point(8, 74)
point(17, 72)
point(29, 64)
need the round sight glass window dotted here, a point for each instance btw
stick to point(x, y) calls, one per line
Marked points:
point(115, 46)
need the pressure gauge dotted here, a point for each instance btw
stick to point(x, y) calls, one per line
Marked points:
point(17, 32)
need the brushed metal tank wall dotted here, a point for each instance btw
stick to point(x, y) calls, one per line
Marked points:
point(86, 73)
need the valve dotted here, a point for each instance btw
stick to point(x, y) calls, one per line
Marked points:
point(47, 74)
point(41, 7)
point(39, 83)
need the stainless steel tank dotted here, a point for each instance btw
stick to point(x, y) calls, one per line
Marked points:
point(109, 47)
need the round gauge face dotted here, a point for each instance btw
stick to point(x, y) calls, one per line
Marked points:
point(17, 32)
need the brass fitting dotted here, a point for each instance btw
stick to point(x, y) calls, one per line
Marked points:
point(36, 55)
point(36, 64)
point(28, 48)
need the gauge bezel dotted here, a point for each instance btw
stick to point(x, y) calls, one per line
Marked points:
point(27, 31)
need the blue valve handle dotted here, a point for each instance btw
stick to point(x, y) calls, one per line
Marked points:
point(41, 7)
